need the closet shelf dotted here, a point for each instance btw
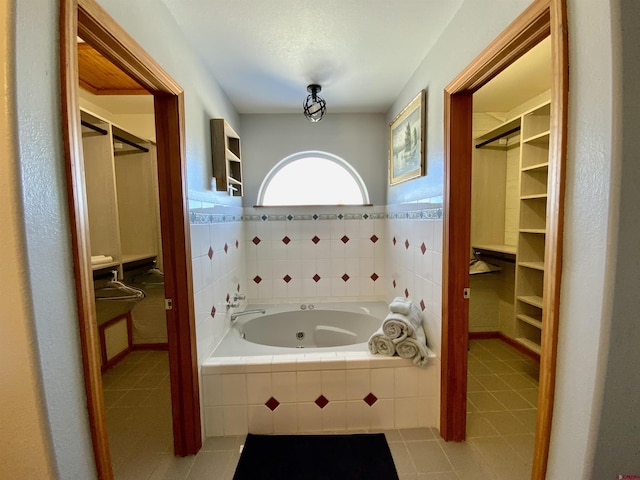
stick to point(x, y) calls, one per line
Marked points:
point(532, 300)
point(537, 166)
point(542, 138)
point(530, 320)
point(534, 347)
point(533, 197)
point(508, 249)
point(533, 230)
point(532, 265)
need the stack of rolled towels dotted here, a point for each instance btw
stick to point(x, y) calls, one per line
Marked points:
point(401, 333)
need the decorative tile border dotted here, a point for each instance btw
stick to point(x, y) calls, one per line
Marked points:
point(198, 218)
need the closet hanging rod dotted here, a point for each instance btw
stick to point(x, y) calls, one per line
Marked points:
point(130, 143)
point(84, 123)
point(497, 137)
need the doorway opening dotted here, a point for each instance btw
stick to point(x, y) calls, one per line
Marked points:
point(543, 19)
point(87, 20)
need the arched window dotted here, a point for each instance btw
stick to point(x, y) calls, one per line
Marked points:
point(312, 178)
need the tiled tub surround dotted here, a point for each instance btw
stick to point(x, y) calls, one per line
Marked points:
point(413, 254)
point(249, 387)
point(218, 269)
point(316, 392)
point(315, 253)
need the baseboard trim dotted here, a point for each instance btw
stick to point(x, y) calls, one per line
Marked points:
point(508, 340)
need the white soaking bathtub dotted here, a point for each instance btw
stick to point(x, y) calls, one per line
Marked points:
point(316, 327)
point(265, 377)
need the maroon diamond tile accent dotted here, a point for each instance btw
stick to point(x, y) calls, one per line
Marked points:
point(423, 248)
point(316, 278)
point(237, 244)
point(257, 279)
point(406, 244)
point(345, 277)
point(394, 240)
point(370, 399)
point(345, 239)
point(422, 305)
point(228, 297)
point(238, 288)
point(286, 278)
point(256, 240)
point(406, 293)
point(272, 404)
point(322, 401)
point(226, 248)
point(374, 276)
point(210, 253)
point(315, 239)
point(286, 240)
point(213, 311)
point(394, 284)
point(374, 238)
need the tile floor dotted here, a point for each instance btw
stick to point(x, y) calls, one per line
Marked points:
point(502, 385)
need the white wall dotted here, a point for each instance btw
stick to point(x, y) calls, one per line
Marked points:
point(616, 449)
point(26, 455)
point(360, 139)
point(584, 309)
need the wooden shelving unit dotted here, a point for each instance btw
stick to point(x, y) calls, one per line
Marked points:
point(226, 157)
point(534, 167)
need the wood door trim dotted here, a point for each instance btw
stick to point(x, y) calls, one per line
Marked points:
point(543, 18)
point(87, 19)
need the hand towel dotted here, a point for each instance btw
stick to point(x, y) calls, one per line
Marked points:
point(398, 327)
point(380, 344)
point(414, 348)
point(99, 259)
point(400, 305)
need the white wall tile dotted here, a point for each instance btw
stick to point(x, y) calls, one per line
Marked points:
point(334, 416)
point(334, 384)
point(214, 421)
point(309, 417)
point(309, 385)
point(283, 386)
point(383, 382)
point(235, 420)
point(358, 384)
point(406, 412)
point(358, 415)
point(260, 419)
point(427, 407)
point(406, 384)
point(382, 414)
point(212, 390)
point(285, 418)
point(258, 388)
point(234, 389)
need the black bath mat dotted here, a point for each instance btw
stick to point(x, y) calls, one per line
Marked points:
point(316, 457)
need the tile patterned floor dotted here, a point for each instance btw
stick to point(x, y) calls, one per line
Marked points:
point(502, 384)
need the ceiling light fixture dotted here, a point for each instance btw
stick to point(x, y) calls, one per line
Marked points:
point(314, 106)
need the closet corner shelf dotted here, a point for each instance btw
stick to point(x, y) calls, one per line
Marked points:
point(534, 230)
point(532, 265)
point(102, 266)
point(533, 300)
point(537, 166)
point(136, 257)
point(530, 320)
point(538, 138)
point(508, 249)
point(533, 197)
point(534, 347)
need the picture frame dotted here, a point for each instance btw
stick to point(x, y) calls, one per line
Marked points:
point(407, 141)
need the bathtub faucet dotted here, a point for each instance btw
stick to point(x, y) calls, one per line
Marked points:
point(246, 312)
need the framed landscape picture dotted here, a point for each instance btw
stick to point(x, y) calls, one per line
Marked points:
point(407, 141)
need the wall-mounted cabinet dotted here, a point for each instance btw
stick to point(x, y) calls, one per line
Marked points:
point(226, 157)
point(122, 195)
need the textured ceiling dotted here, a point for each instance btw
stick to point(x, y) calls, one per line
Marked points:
point(264, 53)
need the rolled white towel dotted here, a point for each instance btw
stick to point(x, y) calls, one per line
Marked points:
point(414, 348)
point(99, 259)
point(400, 305)
point(380, 344)
point(398, 327)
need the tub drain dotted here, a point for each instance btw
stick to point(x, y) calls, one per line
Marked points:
point(299, 335)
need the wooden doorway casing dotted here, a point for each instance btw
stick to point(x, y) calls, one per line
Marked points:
point(85, 18)
point(542, 19)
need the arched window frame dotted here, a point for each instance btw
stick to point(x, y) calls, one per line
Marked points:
point(319, 154)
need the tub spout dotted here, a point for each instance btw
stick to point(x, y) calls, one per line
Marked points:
point(246, 312)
